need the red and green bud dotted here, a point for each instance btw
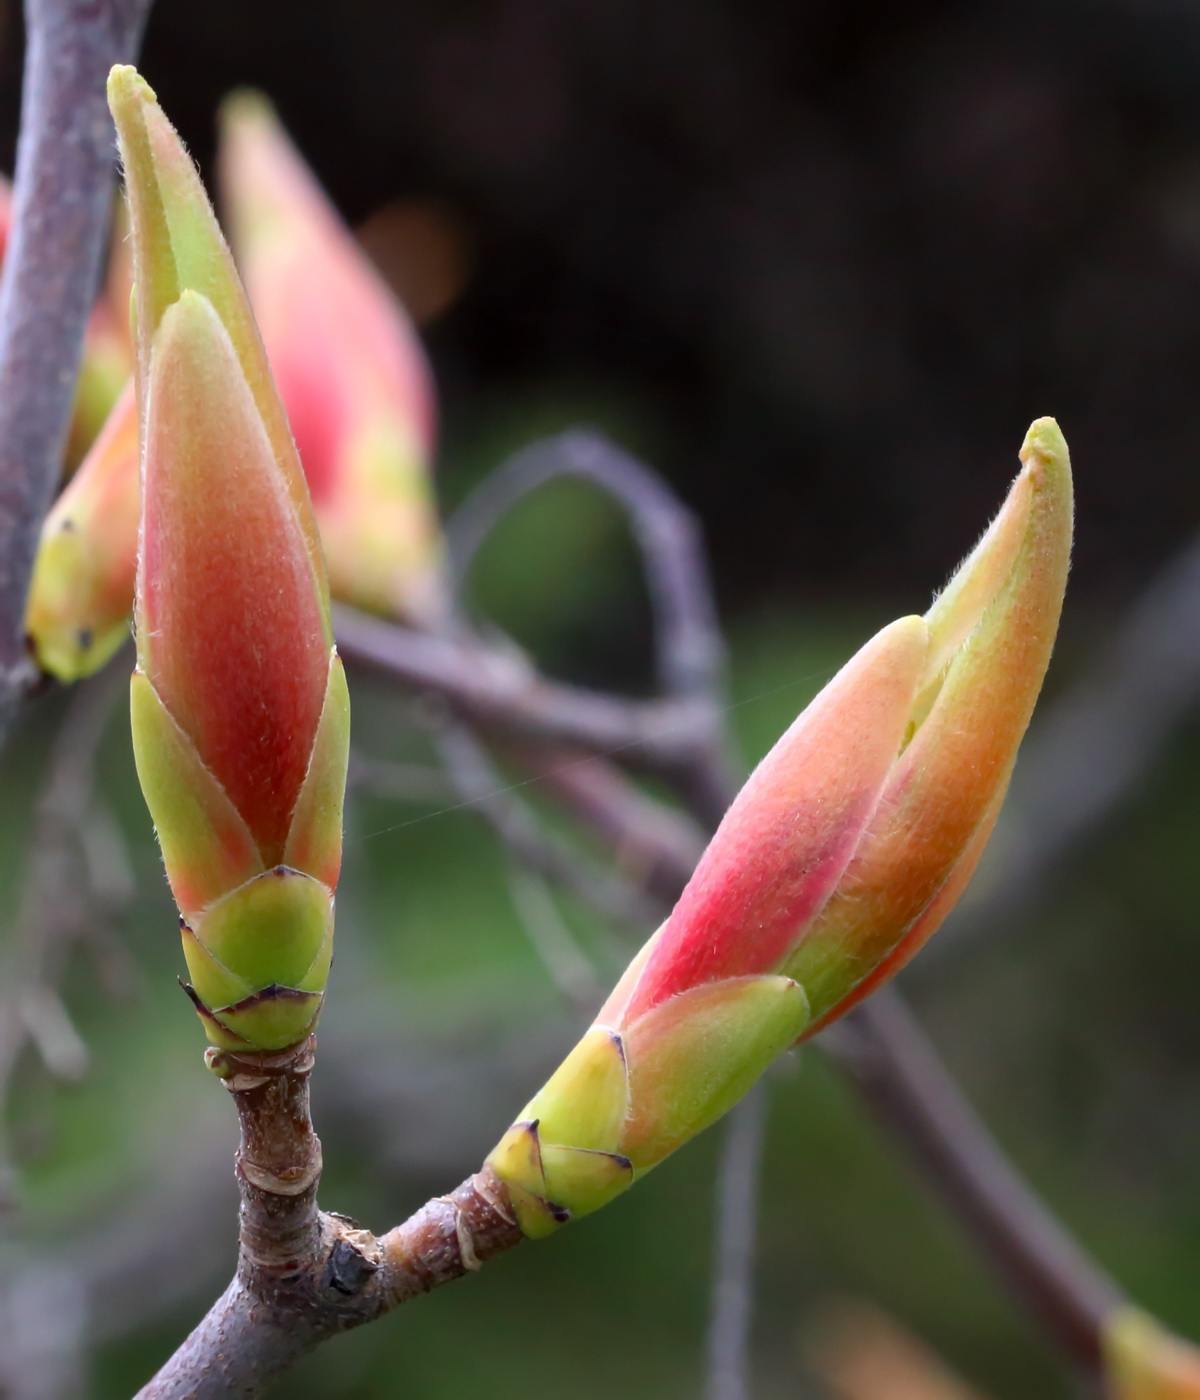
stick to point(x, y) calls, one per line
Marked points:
point(239, 703)
point(1146, 1362)
point(349, 366)
point(841, 855)
point(82, 586)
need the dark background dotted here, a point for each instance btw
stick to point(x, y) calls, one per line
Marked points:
point(822, 261)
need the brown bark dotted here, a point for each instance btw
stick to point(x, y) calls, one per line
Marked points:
point(305, 1274)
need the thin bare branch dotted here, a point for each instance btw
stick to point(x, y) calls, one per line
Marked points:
point(480, 785)
point(500, 690)
point(557, 949)
point(689, 648)
point(651, 842)
point(688, 642)
point(55, 906)
point(399, 782)
point(61, 201)
point(897, 1070)
point(738, 1185)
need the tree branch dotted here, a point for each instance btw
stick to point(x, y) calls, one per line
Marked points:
point(886, 1055)
point(738, 1182)
point(61, 204)
point(479, 784)
point(264, 1322)
point(688, 644)
point(689, 648)
point(897, 1070)
point(501, 691)
point(304, 1275)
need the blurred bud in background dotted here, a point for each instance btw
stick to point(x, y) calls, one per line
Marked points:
point(860, 1353)
point(104, 372)
point(846, 848)
point(350, 368)
point(239, 703)
point(1146, 1362)
point(361, 405)
point(82, 586)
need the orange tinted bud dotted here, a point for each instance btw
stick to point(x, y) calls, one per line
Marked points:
point(991, 635)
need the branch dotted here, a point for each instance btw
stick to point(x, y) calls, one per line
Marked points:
point(733, 1266)
point(887, 1057)
point(651, 842)
point(689, 649)
point(399, 782)
point(479, 784)
point(56, 907)
point(501, 691)
point(688, 643)
point(897, 1070)
point(61, 201)
point(304, 1275)
point(1063, 1287)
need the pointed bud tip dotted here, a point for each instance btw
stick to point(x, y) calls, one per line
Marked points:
point(1046, 459)
point(126, 86)
point(1044, 444)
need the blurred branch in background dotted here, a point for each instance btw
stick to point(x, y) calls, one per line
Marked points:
point(62, 197)
point(688, 646)
point(738, 1189)
point(501, 691)
point(481, 786)
point(76, 886)
point(897, 1071)
point(689, 650)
